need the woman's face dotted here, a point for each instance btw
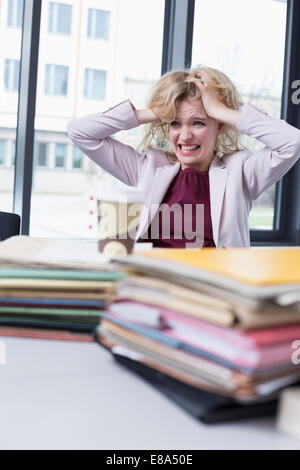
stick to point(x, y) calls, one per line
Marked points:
point(193, 135)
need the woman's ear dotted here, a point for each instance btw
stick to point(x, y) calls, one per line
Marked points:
point(220, 127)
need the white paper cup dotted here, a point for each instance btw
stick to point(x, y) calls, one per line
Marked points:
point(119, 212)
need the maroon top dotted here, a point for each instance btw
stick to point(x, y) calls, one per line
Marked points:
point(188, 191)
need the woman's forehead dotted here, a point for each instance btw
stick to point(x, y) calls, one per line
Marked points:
point(191, 107)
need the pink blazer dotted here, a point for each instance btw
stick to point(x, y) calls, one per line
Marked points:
point(235, 179)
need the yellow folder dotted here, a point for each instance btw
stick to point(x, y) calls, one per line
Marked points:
point(235, 274)
point(253, 266)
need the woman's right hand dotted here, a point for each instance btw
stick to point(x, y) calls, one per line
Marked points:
point(145, 116)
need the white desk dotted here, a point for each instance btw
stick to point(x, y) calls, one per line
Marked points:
point(63, 395)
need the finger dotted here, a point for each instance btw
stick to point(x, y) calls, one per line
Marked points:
point(195, 79)
point(200, 78)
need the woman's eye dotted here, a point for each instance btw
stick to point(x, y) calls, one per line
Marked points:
point(199, 123)
point(174, 123)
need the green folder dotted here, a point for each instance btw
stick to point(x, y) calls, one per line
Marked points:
point(60, 312)
point(65, 274)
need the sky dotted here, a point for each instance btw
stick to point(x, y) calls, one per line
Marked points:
point(244, 38)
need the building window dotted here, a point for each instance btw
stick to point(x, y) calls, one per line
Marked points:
point(41, 154)
point(56, 80)
point(13, 152)
point(77, 158)
point(60, 154)
point(15, 13)
point(11, 74)
point(60, 18)
point(95, 84)
point(98, 24)
point(2, 151)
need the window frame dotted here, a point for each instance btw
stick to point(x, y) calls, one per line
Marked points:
point(286, 225)
point(177, 53)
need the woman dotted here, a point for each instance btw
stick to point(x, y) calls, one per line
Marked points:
point(197, 168)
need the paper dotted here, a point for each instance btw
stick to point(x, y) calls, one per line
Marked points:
point(73, 251)
point(60, 253)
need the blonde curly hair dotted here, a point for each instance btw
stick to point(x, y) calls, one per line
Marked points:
point(172, 88)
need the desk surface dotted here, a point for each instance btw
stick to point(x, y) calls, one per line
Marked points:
point(65, 395)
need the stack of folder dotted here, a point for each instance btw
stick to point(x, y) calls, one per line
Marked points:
point(214, 329)
point(53, 289)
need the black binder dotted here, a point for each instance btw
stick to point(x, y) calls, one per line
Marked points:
point(205, 406)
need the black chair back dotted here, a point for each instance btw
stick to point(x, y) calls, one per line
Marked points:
point(9, 225)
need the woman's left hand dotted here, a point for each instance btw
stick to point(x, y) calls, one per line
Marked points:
point(210, 100)
point(213, 107)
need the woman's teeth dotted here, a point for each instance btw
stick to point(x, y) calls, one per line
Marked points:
point(188, 148)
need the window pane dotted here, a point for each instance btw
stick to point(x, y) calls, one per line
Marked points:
point(16, 74)
point(2, 151)
point(59, 18)
point(77, 158)
point(61, 80)
point(98, 24)
point(95, 84)
point(10, 49)
point(15, 13)
point(56, 80)
point(41, 154)
point(60, 151)
point(64, 19)
point(11, 74)
point(51, 17)
point(98, 74)
point(13, 152)
point(240, 48)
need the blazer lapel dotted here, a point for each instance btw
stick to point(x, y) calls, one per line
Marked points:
point(161, 182)
point(217, 183)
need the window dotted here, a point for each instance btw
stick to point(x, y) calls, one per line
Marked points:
point(10, 46)
point(56, 80)
point(60, 153)
point(98, 24)
point(133, 69)
point(60, 194)
point(95, 84)
point(2, 151)
point(242, 56)
point(11, 74)
point(77, 158)
point(41, 154)
point(15, 13)
point(60, 18)
point(13, 152)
